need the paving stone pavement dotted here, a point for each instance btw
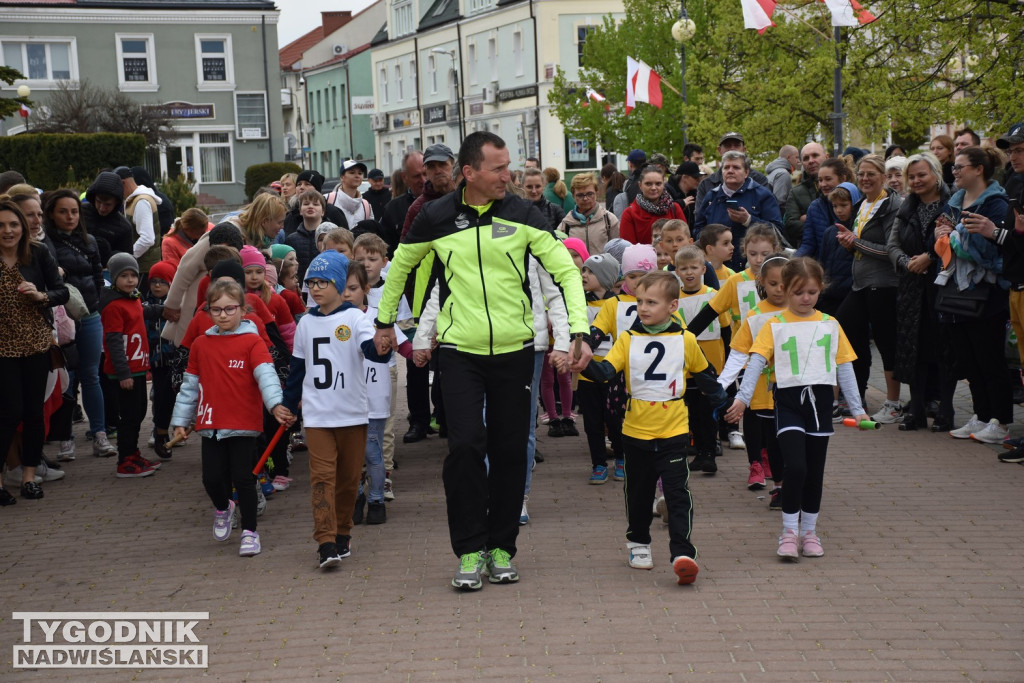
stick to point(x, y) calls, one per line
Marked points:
point(920, 580)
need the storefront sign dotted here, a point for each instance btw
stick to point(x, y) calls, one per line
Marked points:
point(182, 110)
point(476, 108)
point(362, 104)
point(435, 114)
point(517, 93)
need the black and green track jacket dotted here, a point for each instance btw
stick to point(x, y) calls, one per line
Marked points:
point(485, 305)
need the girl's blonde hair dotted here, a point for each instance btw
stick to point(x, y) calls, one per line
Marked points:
point(762, 231)
point(263, 208)
point(552, 176)
point(192, 219)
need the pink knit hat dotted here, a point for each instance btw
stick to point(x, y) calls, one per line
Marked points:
point(640, 257)
point(576, 244)
point(251, 256)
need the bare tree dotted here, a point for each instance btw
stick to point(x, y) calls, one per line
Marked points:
point(81, 107)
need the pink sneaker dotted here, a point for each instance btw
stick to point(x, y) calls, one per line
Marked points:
point(755, 481)
point(810, 545)
point(281, 483)
point(788, 542)
point(765, 467)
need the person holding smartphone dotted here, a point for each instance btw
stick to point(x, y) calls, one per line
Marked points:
point(737, 203)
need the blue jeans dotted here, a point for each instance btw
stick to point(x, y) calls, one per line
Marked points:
point(531, 446)
point(375, 460)
point(89, 340)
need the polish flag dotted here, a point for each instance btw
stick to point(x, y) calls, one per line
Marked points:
point(24, 111)
point(643, 84)
point(758, 14)
point(597, 97)
point(848, 13)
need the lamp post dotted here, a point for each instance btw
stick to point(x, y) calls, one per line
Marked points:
point(455, 95)
point(683, 30)
point(24, 91)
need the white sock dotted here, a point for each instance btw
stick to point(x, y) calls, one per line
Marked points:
point(790, 522)
point(808, 520)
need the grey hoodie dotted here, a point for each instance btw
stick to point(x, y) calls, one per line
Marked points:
point(780, 181)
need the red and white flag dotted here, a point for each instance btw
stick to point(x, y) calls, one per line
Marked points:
point(848, 13)
point(758, 14)
point(643, 84)
point(597, 97)
point(24, 111)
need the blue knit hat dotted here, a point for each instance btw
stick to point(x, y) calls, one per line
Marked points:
point(330, 265)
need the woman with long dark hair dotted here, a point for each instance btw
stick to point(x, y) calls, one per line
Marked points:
point(77, 253)
point(30, 286)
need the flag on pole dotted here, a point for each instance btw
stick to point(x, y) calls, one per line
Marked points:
point(758, 14)
point(848, 13)
point(597, 97)
point(643, 84)
point(24, 111)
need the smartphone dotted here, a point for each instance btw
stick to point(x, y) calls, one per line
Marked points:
point(732, 204)
point(1015, 205)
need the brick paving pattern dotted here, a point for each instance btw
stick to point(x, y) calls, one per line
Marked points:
point(920, 580)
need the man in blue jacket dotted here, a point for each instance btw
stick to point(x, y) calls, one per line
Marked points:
point(737, 202)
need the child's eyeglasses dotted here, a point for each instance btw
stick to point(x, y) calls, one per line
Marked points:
point(227, 310)
point(318, 284)
point(158, 281)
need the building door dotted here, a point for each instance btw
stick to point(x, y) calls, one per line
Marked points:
point(181, 161)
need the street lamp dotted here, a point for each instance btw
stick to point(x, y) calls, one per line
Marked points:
point(23, 92)
point(455, 87)
point(683, 30)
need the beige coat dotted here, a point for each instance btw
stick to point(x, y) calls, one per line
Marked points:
point(601, 227)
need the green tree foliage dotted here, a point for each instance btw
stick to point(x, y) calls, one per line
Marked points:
point(9, 106)
point(919, 63)
point(258, 175)
point(52, 160)
point(181, 192)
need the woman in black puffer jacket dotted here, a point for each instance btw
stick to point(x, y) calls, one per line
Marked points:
point(533, 186)
point(77, 254)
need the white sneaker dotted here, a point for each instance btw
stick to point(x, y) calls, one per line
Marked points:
point(222, 522)
point(640, 556)
point(261, 501)
point(973, 425)
point(250, 544)
point(389, 490)
point(101, 447)
point(993, 432)
point(13, 477)
point(66, 452)
point(48, 474)
point(891, 412)
point(661, 509)
point(736, 441)
point(524, 516)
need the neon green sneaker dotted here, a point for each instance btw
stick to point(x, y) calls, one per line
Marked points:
point(499, 567)
point(471, 568)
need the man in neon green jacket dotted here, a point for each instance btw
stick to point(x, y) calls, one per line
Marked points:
point(483, 240)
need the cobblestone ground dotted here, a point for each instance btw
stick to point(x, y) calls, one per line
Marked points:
point(920, 580)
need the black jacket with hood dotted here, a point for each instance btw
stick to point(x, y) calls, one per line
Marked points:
point(113, 232)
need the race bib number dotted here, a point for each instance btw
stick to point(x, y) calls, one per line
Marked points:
point(805, 353)
point(625, 316)
point(605, 346)
point(690, 306)
point(746, 294)
point(757, 323)
point(656, 368)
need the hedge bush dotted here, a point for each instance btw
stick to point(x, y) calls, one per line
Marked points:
point(52, 160)
point(258, 175)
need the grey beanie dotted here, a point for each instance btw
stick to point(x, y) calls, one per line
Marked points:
point(119, 263)
point(605, 268)
point(615, 247)
point(323, 229)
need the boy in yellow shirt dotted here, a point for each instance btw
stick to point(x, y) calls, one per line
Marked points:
point(657, 354)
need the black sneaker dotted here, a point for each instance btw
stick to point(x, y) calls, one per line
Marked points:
point(31, 490)
point(1015, 456)
point(537, 457)
point(416, 433)
point(704, 462)
point(328, 556)
point(160, 447)
point(555, 428)
point(357, 514)
point(344, 544)
point(569, 427)
point(6, 498)
point(377, 514)
point(775, 499)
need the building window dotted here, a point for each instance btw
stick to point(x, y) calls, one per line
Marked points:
point(215, 158)
point(251, 115)
point(517, 51)
point(479, 5)
point(404, 18)
point(342, 103)
point(581, 39)
point(432, 71)
point(413, 76)
point(137, 62)
point(398, 82)
point(42, 60)
point(319, 108)
point(472, 63)
point(334, 101)
point(382, 84)
point(214, 65)
point(492, 57)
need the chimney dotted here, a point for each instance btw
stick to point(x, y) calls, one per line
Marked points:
point(332, 21)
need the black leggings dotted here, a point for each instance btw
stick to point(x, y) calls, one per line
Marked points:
point(22, 400)
point(979, 345)
point(226, 462)
point(131, 411)
point(865, 314)
point(805, 471)
point(593, 398)
point(702, 423)
point(758, 433)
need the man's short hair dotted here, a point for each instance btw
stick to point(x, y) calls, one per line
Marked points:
point(471, 151)
point(8, 179)
point(408, 155)
point(975, 138)
point(691, 148)
point(736, 154)
point(371, 244)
